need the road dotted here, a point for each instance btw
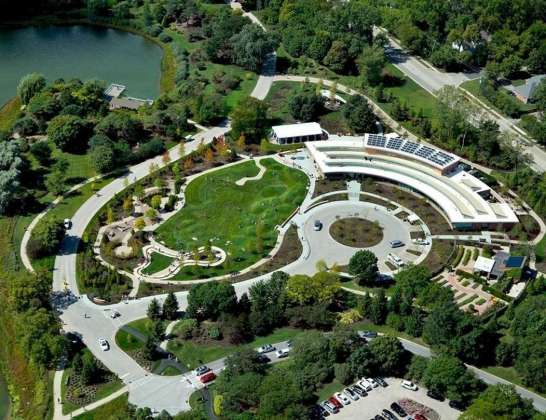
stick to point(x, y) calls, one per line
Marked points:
point(431, 79)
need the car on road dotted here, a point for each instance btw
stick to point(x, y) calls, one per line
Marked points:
point(262, 358)
point(114, 314)
point(372, 382)
point(202, 370)
point(207, 377)
point(435, 395)
point(388, 415)
point(381, 382)
point(266, 348)
point(366, 334)
point(317, 225)
point(359, 390)
point(457, 405)
point(188, 138)
point(342, 398)
point(351, 394)
point(330, 407)
point(365, 385)
point(398, 409)
point(282, 353)
point(334, 401)
point(396, 243)
point(409, 385)
point(67, 223)
point(104, 344)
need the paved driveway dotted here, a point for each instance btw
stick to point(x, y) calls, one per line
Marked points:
point(380, 398)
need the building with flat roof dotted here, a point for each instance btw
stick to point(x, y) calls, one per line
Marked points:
point(297, 133)
point(466, 202)
point(525, 92)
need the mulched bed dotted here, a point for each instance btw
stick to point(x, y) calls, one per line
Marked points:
point(413, 407)
point(80, 394)
point(356, 232)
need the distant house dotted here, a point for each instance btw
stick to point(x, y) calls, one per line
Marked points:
point(495, 268)
point(525, 92)
point(127, 103)
point(298, 133)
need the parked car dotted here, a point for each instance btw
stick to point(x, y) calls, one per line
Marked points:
point(289, 343)
point(207, 377)
point(388, 415)
point(333, 400)
point(67, 223)
point(457, 405)
point(419, 417)
point(381, 382)
point(266, 348)
point(364, 384)
point(372, 382)
point(359, 390)
point(202, 370)
point(398, 409)
point(282, 353)
point(114, 314)
point(367, 334)
point(104, 344)
point(351, 394)
point(420, 241)
point(262, 358)
point(435, 395)
point(378, 417)
point(329, 407)
point(409, 385)
point(318, 412)
point(317, 225)
point(342, 398)
point(396, 243)
point(395, 259)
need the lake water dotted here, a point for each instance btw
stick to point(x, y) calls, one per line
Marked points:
point(83, 52)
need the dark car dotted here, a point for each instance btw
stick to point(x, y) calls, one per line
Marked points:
point(388, 415)
point(435, 395)
point(457, 405)
point(318, 412)
point(381, 382)
point(359, 390)
point(262, 358)
point(378, 417)
point(367, 334)
point(329, 407)
point(398, 410)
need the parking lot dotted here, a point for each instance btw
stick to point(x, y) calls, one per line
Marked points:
point(380, 398)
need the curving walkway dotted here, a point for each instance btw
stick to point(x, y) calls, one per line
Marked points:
point(243, 181)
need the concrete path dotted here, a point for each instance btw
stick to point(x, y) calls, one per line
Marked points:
point(243, 181)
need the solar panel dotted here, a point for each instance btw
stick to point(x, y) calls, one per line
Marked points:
point(410, 147)
point(376, 140)
point(395, 143)
point(424, 151)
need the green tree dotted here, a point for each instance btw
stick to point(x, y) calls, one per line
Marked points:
point(209, 300)
point(156, 202)
point(343, 373)
point(305, 105)
point(447, 376)
point(251, 47)
point(363, 265)
point(359, 115)
point(312, 360)
point(48, 234)
point(154, 310)
point(499, 402)
point(102, 158)
point(69, 133)
point(280, 396)
point(389, 355)
point(90, 369)
point(11, 167)
point(337, 58)
point(417, 368)
point(149, 351)
point(321, 288)
point(371, 63)
point(29, 86)
point(42, 152)
point(362, 362)
point(249, 118)
point(170, 307)
point(268, 303)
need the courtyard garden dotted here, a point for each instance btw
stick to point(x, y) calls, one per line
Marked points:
point(356, 232)
point(239, 219)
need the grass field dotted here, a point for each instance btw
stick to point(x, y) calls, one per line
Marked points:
point(115, 409)
point(9, 113)
point(158, 262)
point(193, 354)
point(239, 219)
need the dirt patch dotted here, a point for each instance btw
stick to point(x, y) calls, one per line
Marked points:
point(356, 232)
point(413, 407)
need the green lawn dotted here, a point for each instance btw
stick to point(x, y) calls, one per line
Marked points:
point(473, 86)
point(239, 219)
point(329, 389)
point(158, 262)
point(9, 113)
point(128, 342)
point(352, 284)
point(115, 409)
point(193, 354)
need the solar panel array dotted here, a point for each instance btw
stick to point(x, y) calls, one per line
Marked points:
point(431, 154)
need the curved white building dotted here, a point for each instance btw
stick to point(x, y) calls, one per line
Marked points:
point(466, 201)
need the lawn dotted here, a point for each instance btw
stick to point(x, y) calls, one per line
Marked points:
point(329, 389)
point(353, 285)
point(127, 342)
point(9, 113)
point(239, 219)
point(115, 409)
point(158, 262)
point(193, 354)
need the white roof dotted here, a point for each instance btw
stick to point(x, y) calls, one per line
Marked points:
point(412, 218)
point(297, 130)
point(484, 264)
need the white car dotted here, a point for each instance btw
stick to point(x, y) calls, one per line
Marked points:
point(364, 384)
point(282, 353)
point(372, 382)
point(104, 344)
point(342, 398)
point(114, 314)
point(266, 348)
point(67, 223)
point(395, 259)
point(409, 385)
point(420, 241)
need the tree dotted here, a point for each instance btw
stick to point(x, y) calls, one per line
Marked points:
point(149, 351)
point(158, 330)
point(499, 402)
point(389, 355)
point(249, 118)
point(11, 165)
point(121, 124)
point(321, 288)
point(359, 115)
point(446, 375)
point(139, 224)
point(371, 63)
point(343, 373)
point(209, 300)
point(211, 108)
point(48, 236)
point(170, 307)
point(56, 182)
point(69, 133)
point(26, 126)
point(362, 362)
point(280, 396)
point(154, 310)
point(251, 47)
point(268, 303)
point(29, 86)
point(363, 265)
point(42, 152)
point(378, 308)
point(312, 360)
point(337, 58)
point(102, 158)
point(305, 105)
point(245, 360)
point(90, 369)
point(417, 368)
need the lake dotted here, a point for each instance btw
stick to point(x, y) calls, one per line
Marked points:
point(82, 52)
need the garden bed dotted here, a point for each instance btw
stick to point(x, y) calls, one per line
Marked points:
point(356, 232)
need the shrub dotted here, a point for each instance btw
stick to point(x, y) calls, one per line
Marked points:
point(214, 333)
point(42, 152)
point(25, 126)
point(395, 321)
point(166, 38)
point(343, 373)
point(187, 328)
point(155, 29)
